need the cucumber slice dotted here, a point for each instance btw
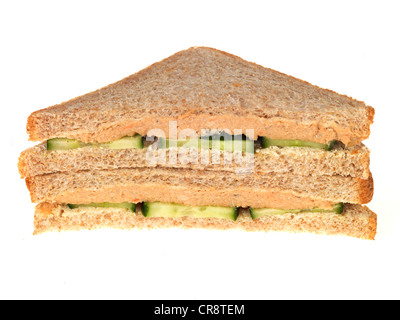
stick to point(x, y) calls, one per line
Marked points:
point(134, 142)
point(258, 213)
point(243, 145)
point(266, 142)
point(123, 205)
point(172, 210)
point(64, 144)
point(164, 143)
point(338, 208)
point(331, 144)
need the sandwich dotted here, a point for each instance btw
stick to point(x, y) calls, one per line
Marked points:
point(203, 139)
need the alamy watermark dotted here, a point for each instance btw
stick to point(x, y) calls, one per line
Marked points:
point(209, 148)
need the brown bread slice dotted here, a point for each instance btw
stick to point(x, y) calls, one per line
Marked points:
point(356, 221)
point(204, 88)
point(192, 187)
point(353, 161)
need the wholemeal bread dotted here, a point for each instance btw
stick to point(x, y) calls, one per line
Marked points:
point(193, 187)
point(356, 221)
point(352, 162)
point(204, 88)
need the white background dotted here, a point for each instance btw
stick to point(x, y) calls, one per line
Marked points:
point(51, 51)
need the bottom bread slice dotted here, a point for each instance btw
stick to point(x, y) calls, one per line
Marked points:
point(356, 221)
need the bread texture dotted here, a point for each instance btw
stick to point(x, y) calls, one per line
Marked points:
point(356, 221)
point(192, 187)
point(351, 162)
point(204, 88)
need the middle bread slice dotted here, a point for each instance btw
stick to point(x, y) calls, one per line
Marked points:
point(348, 162)
point(197, 188)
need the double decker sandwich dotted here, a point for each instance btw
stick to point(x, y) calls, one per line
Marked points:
point(203, 139)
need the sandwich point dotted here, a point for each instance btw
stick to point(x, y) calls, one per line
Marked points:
point(203, 139)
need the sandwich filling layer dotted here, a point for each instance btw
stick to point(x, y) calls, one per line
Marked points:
point(223, 142)
point(173, 210)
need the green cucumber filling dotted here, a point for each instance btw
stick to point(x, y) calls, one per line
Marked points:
point(134, 142)
point(168, 210)
point(172, 210)
point(123, 205)
point(222, 141)
point(258, 213)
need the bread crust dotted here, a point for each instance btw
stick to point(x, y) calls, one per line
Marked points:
point(204, 88)
point(367, 189)
point(356, 221)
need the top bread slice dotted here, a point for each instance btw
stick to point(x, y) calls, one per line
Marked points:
point(204, 88)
